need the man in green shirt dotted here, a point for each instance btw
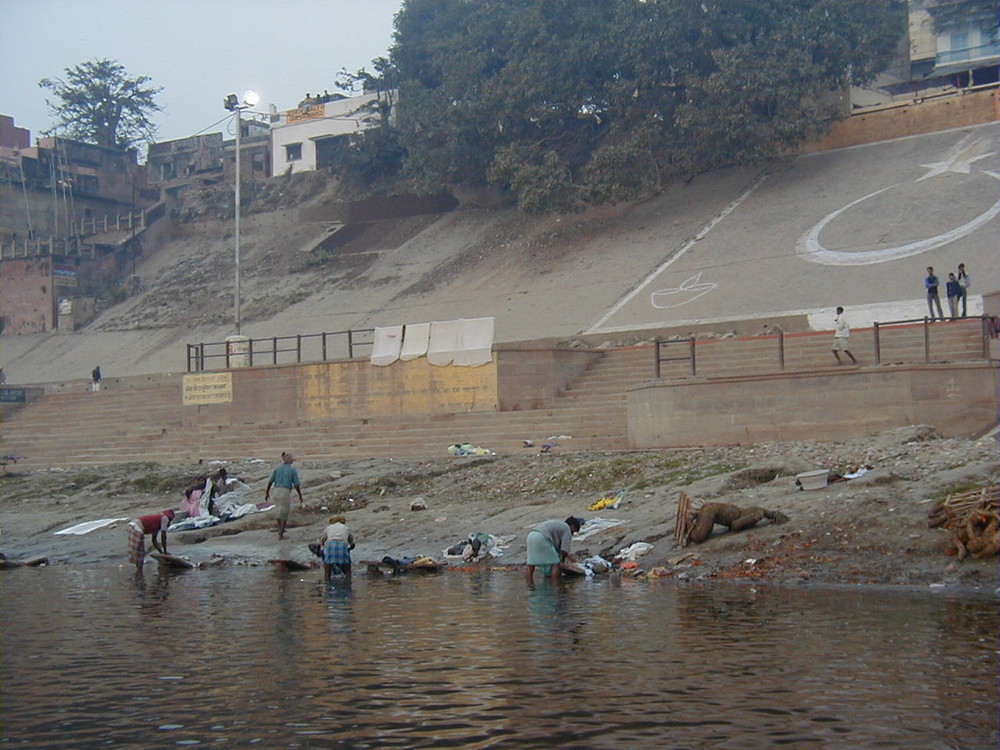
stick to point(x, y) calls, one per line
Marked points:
point(283, 479)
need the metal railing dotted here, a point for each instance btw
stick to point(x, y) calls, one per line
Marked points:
point(967, 54)
point(117, 223)
point(691, 357)
point(988, 330)
point(278, 350)
point(75, 243)
point(881, 336)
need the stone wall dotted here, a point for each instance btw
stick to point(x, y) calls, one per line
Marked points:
point(532, 378)
point(959, 399)
point(352, 388)
point(27, 301)
point(911, 118)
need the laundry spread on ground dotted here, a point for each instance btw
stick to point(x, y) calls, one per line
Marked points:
point(633, 551)
point(608, 501)
point(478, 546)
point(87, 526)
point(468, 449)
point(596, 526)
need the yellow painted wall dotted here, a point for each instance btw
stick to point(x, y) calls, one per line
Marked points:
point(361, 389)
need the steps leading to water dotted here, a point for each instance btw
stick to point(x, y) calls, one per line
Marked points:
point(144, 422)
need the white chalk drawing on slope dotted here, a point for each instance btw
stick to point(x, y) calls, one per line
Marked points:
point(959, 161)
point(690, 289)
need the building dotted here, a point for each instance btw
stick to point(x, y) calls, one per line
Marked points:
point(301, 136)
point(12, 139)
point(950, 45)
point(71, 225)
point(62, 184)
point(184, 158)
point(255, 152)
point(953, 43)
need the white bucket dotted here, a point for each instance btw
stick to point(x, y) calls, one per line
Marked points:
point(813, 480)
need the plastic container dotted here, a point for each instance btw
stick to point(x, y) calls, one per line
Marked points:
point(813, 480)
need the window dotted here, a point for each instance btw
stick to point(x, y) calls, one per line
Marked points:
point(293, 152)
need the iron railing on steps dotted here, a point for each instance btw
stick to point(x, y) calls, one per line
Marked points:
point(241, 351)
point(989, 328)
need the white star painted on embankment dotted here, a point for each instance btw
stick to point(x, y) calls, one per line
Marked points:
point(958, 161)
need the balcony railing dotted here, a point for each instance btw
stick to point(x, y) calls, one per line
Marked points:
point(967, 54)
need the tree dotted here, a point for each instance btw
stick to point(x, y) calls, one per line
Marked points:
point(568, 102)
point(367, 158)
point(98, 102)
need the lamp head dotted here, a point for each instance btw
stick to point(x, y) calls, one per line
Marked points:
point(230, 102)
point(250, 98)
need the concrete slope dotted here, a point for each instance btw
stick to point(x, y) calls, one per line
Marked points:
point(853, 227)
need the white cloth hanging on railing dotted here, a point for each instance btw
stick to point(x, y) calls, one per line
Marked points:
point(443, 342)
point(475, 342)
point(416, 338)
point(466, 343)
point(386, 344)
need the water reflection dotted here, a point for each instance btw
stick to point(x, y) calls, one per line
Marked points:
point(242, 656)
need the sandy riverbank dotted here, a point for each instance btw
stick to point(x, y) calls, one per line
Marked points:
point(869, 530)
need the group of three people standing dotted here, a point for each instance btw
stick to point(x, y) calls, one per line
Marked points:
point(956, 288)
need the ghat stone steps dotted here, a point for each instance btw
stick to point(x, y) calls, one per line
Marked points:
point(136, 420)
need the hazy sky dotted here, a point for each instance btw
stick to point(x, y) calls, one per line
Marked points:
point(197, 50)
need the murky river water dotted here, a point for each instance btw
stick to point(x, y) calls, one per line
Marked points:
point(251, 657)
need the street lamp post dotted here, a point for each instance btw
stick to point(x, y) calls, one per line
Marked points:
point(235, 105)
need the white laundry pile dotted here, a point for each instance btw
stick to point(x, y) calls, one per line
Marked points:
point(634, 551)
point(595, 564)
point(596, 526)
point(228, 507)
point(489, 544)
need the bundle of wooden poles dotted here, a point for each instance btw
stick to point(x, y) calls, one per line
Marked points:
point(973, 519)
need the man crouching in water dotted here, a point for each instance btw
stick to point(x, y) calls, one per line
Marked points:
point(336, 545)
point(153, 524)
point(549, 546)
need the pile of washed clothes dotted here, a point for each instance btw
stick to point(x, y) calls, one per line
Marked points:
point(204, 510)
point(478, 545)
point(468, 449)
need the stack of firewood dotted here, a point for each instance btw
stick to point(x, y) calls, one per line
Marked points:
point(972, 517)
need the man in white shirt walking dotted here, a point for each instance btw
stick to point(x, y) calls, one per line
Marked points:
point(841, 332)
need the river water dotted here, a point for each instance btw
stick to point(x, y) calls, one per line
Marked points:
point(254, 657)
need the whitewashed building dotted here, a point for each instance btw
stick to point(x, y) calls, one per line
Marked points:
point(297, 135)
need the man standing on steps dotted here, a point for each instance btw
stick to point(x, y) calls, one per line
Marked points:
point(931, 284)
point(963, 286)
point(841, 333)
point(95, 379)
point(283, 479)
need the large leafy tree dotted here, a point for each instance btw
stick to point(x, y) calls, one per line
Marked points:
point(372, 156)
point(99, 102)
point(572, 101)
